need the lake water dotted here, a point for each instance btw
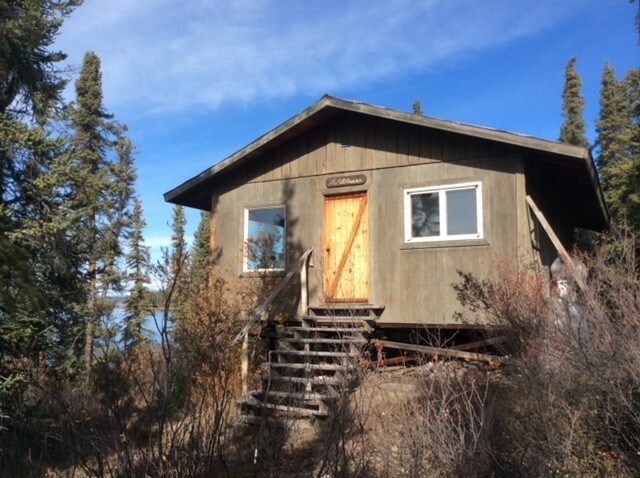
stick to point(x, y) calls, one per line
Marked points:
point(151, 325)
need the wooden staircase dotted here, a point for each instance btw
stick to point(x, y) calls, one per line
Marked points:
point(312, 365)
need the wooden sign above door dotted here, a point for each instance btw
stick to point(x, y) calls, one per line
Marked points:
point(343, 181)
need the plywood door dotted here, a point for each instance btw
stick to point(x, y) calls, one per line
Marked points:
point(346, 248)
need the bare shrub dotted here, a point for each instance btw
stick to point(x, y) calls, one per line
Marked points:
point(345, 448)
point(433, 422)
point(569, 403)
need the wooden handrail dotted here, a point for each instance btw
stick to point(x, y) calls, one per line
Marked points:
point(263, 308)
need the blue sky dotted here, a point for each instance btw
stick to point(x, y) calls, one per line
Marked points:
point(199, 79)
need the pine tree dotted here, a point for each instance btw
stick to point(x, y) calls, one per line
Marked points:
point(573, 130)
point(613, 129)
point(30, 82)
point(417, 108)
point(618, 144)
point(625, 174)
point(179, 257)
point(40, 281)
point(102, 182)
point(30, 86)
point(201, 250)
point(138, 263)
point(178, 241)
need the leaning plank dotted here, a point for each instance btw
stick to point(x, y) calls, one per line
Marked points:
point(438, 351)
point(564, 255)
point(479, 343)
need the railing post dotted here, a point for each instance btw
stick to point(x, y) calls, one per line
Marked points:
point(302, 264)
point(244, 365)
point(304, 287)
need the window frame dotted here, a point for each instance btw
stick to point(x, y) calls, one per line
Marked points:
point(442, 190)
point(245, 257)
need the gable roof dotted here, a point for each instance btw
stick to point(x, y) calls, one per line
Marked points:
point(572, 166)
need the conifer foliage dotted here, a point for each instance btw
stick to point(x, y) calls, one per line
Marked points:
point(138, 263)
point(102, 176)
point(30, 82)
point(618, 144)
point(201, 250)
point(41, 282)
point(573, 130)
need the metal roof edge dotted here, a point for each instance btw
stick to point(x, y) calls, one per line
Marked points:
point(482, 132)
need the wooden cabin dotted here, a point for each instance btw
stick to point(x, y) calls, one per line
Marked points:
point(393, 205)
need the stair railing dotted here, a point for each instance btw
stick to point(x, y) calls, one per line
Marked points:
point(302, 267)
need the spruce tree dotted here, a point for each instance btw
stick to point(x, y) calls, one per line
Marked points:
point(30, 81)
point(573, 130)
point(417, 108)
point(40, 281)
point(201, 255)
point(102, 183)
point(138, 263)
point(179, 257)
point(618, 145)
point(613, 129)
point(625, 174)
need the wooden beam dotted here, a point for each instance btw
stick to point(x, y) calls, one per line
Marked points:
point(388, 362)
point(479, 343)
point(564, 255)
point(424, 349)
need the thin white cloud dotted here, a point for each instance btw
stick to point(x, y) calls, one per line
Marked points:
point(164, 56)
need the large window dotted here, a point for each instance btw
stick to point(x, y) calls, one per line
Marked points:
point(443, 213)
point(264, 238)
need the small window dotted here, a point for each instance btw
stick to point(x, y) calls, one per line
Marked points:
point(443, 213)
point(264, 238)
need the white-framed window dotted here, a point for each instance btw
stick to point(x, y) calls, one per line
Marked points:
point(264, 238)
point(443, 213)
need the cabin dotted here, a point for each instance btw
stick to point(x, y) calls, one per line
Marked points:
point(393, 205)
point(376, 211)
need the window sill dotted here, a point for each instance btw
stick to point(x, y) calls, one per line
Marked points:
point(410, 246)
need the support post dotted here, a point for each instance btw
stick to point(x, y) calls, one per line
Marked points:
point(304, 289)
point(244, 365)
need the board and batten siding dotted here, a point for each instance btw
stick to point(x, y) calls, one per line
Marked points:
point(413, 281)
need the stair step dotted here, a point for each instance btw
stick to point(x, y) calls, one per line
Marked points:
point(308, 366)
point(293, 411)
point(305, 380)
point(346, 307)
point(315, 353)
point(341, 341)
point(338, 319)
point(275, 422)
point(293, 395)
point(342, 322)
point(349, 330)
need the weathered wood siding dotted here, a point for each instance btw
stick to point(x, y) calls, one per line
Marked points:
point(413, 281)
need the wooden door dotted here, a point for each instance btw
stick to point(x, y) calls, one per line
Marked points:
point(346, 248)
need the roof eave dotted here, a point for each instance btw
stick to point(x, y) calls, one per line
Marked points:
point(329, 105)
point(172, 195)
